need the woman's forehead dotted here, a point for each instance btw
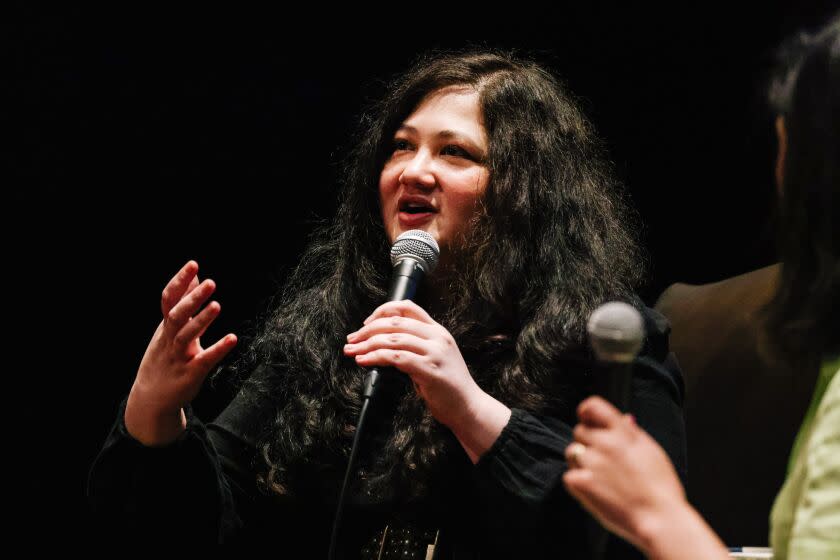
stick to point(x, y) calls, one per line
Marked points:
point(450, 112)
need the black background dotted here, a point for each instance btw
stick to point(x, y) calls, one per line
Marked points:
point(143, 139)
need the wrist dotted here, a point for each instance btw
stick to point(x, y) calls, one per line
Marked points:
point(654, 525)
point(152, 425)
point(479, 425)
point(677, 530)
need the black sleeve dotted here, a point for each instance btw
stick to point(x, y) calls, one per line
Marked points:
point(519, 478)
point(197, 489)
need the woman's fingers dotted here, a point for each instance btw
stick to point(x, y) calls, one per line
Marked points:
point(403, 308)
point(188, 306)
point(394, 324)
point(193, 285)
point(405, 361)
point(205, 360)
point(575, 453)
point(594, 437)
point(196, 327)
point(609, 441)
point(597, 412)
point(393, 341)
point(578, 481)
point(183, 282)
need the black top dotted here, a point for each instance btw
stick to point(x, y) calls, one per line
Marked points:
point(511, 504)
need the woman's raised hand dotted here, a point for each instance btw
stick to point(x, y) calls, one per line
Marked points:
point(401, 334)
point(175, 364)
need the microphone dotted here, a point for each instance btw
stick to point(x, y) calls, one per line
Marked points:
point(616, 332)
point(414, 254)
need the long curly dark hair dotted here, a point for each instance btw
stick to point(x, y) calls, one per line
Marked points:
point(802, 319)
point(552, 240)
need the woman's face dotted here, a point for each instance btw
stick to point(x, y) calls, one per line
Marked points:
point(436, 174)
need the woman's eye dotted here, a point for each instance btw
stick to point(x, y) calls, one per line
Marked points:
point(401, 145)
point(452, 150)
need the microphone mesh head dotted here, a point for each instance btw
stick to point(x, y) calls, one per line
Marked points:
point(418, 245)
point(616, 331)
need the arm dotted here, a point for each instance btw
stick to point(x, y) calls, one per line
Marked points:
point(165, 494)
point(199, 488)
point(157, 476)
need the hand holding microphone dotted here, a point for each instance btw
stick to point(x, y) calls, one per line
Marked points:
point(402, 335)
point(414, 254)
point(616, 333)
point(616, 470)
point(622, 476)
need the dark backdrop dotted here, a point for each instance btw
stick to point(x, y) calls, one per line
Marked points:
point(142, 140)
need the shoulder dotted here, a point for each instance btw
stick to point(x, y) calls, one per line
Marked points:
point(655, 359)
point(657, 331)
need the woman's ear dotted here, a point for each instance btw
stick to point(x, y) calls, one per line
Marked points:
point(781, 136)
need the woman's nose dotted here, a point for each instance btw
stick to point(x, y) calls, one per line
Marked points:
point(419, 171)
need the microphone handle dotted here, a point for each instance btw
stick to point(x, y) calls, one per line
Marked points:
point(404, 280)
point(613, 381)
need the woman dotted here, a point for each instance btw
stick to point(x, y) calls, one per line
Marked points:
point(621, 475)
point(491, 156)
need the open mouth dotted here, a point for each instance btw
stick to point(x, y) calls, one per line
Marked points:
point(414, 213)
point(416, 208)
